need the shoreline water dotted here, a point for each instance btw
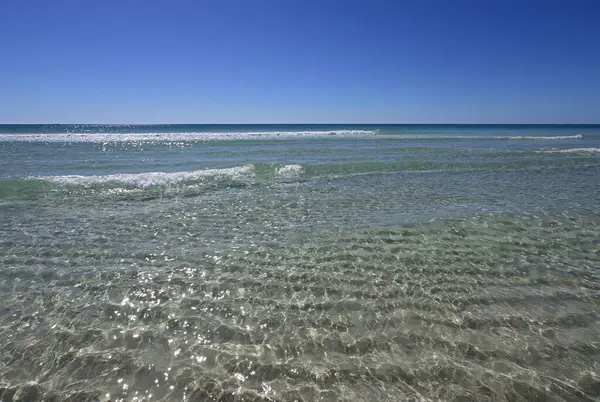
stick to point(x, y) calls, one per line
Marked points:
point(458, 263)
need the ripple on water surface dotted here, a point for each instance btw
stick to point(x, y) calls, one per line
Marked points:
point(338, 264)
point(494, 307)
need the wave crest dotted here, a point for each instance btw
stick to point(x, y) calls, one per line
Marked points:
point(289, 171)
point(153, 179)
point(581, 151)
point(107, 138)
point(553, 137)
point(148, 180)
point(184, 137)
point(483, 137)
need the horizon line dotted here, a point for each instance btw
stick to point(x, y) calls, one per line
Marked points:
point(316, 123)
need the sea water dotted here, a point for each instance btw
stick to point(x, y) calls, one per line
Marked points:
point(299, 262)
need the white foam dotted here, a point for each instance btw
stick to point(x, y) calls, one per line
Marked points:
point(152, 179)
point(555, 137)
point(592, 151)
point(479, 137)
point(213, 136)
point(289, 171)
point(166, 137)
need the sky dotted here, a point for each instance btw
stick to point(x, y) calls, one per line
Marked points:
point(299, 61)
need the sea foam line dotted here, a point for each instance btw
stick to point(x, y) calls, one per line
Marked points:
point(105, 138)
point(165, 137)
point(555, 137)
point(152, 179)
point(481, 137)
point(592, 151)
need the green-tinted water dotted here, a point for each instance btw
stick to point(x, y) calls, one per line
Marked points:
point(300, 263)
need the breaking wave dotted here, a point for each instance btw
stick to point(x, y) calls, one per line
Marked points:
point(485, 137)
point(267, 135)
point(147, 180)
point(554, 137)
point(289, 171)
point(153, 179)
point(188, 137)
point(580, 151)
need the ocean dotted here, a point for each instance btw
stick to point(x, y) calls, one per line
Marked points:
point(300, 262)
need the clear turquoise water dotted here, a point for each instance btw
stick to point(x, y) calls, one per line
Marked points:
point(299, 262)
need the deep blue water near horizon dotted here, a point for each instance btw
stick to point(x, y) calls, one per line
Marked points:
point(300, 262)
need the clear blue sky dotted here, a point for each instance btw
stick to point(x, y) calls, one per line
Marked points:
point(299, 61)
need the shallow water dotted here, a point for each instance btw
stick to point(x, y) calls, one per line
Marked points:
point(300, 263)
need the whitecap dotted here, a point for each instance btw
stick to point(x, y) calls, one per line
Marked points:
point(152, 179)
point(289, 171)
point(181, 137)
point(583, 151)
point(550, 138)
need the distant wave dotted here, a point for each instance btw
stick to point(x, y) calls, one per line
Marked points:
point(555, 137)
point(187, 137)
point(482, 137)
point(213, 136)
point(582, 151)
